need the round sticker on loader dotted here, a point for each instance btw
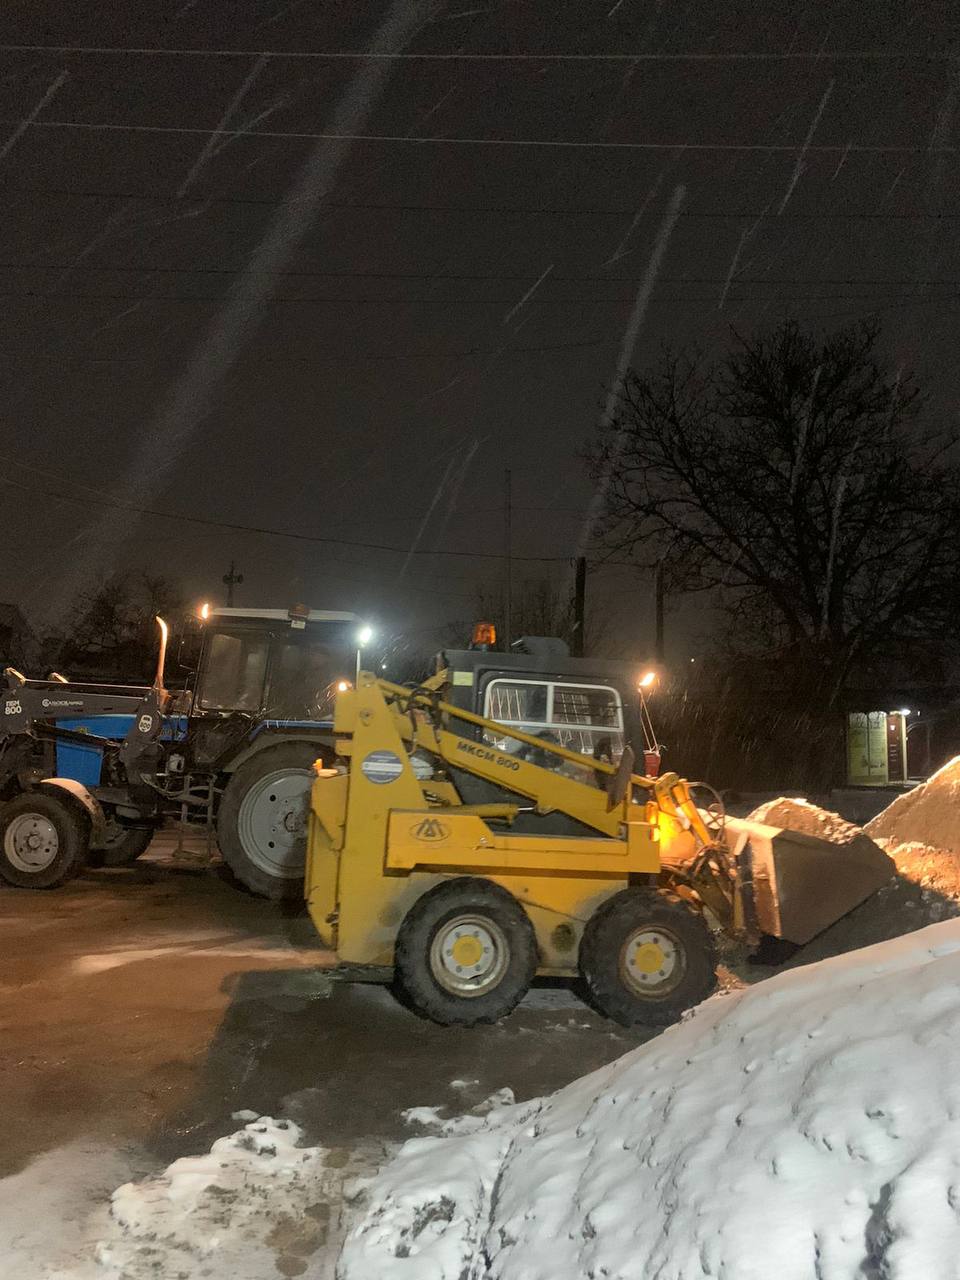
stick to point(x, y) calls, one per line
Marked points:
point(382, 766)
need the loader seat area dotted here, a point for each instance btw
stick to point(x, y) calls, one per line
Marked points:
point(474, 790)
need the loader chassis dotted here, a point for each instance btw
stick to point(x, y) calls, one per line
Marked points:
point(464, 907)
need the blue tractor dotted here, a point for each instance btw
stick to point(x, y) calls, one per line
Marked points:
point(90, 771)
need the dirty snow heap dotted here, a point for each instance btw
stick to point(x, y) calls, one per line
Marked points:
point(809, 1126)
point(928, 815)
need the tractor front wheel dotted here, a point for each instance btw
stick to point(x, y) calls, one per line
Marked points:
point(43, 840)
point(466, 953)
point(645, 957)
point(124, 845)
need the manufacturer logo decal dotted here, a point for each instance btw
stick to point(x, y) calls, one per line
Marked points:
point(381, 767)
point(146, 724)
point(485, 753)
point(430, 829)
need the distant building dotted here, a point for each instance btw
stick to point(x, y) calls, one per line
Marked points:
point(902, 733)
point(18, 644)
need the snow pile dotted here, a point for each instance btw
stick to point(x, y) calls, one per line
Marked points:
point(933, 869)
point(801, 815)
point(430, 1117)
point(929, 814)
point(257, 1204)
point(808, 1126)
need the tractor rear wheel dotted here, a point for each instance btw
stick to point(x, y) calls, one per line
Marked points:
point(43, 841)
point(645, 957)
point(466, 952)
point(262, 822)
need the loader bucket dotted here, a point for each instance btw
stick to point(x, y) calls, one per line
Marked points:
point(795, 885)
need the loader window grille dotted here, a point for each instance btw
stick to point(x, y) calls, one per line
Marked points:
point(580, 704)
point(519, 704)
point(583, 718)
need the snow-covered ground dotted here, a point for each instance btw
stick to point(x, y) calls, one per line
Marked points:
point(807, 1128)
point(259, 1205)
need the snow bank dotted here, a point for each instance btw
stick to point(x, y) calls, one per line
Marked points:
point(807, 1127)
point(929, 814)
point(932, 869)
point(257, 1205)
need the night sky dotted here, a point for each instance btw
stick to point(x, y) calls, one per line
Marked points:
point(332, 336)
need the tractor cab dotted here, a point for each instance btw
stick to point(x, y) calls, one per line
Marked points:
point(273, 668)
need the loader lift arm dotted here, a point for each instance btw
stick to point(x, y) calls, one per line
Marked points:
point(425, 712)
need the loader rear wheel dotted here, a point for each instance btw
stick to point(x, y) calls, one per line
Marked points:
point(466, 953)
point(43, 841)
point(645, 957)
point(262, 822)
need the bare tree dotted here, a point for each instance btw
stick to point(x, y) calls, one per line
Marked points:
point(797, 479)
point(540, 607)
point(112, 633)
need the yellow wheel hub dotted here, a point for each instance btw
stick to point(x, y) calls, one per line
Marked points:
point(467, 950)
point(649, 958)
point(651, 961)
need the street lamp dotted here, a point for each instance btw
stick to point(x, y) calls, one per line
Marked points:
point(364, 636)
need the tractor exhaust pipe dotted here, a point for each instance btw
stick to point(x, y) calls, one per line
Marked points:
point(162, 655)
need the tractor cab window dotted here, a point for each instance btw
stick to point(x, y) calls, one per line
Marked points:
point(581, 717)
point(234, 668)
point(303, 678)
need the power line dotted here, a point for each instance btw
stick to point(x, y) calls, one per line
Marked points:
point(430, 277)
point(60, 193)
point(342, 357)
point(820, 55)
point(313, 299)
point(354, 357)
point(596, 144)
point(277, 533)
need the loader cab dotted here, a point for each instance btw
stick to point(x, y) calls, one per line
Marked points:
point(586, 705)
point(273, 664)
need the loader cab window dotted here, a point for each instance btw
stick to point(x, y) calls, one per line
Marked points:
point(581, 717)
point(233, 671)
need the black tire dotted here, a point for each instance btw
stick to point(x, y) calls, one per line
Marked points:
point(56, 827)
point(124, 845)
point(270, 863)
point(612, 960)
point(421, 970)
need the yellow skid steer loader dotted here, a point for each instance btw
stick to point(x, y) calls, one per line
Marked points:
point(461, 867)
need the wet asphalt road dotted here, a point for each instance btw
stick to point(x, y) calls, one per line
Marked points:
point(142, 1007)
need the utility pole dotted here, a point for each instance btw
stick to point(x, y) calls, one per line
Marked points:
point(231, 580)
point(658, 642)
point(579, 607)
point(508, 556)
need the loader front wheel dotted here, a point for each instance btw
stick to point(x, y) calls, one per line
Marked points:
point(645, 957)
point(466, 953)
